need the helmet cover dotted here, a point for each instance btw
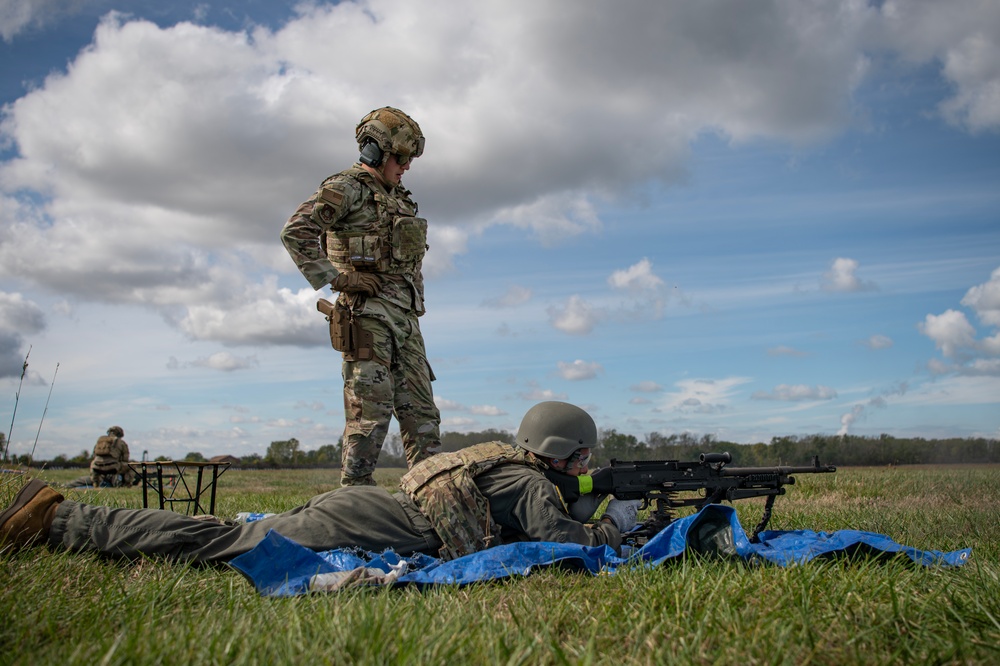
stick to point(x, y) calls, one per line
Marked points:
point(556, 429)
point(393, 131)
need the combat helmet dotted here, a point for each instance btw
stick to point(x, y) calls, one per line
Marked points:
point(556, 429)
point(388, 131)
point(116, 431)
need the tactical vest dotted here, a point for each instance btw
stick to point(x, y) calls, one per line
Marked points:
point(105, 446)
point(443, 488)
point(393, 241)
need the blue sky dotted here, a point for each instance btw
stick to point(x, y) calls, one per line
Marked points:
point(744, 220)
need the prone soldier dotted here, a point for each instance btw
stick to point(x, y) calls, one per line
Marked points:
point(449, 505)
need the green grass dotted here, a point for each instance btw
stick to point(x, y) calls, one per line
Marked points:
point(60, 608)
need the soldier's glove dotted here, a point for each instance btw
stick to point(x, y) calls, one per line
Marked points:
point(357, 283)
point(622, 513)
point(582, 509)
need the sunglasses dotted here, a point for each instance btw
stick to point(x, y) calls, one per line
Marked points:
point(403, 160)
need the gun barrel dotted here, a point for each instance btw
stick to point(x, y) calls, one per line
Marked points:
point(783, 470)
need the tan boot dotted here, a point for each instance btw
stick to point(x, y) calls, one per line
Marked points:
point(30, 516)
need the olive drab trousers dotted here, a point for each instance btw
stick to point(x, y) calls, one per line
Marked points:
point(370, 518)
point(397, 382)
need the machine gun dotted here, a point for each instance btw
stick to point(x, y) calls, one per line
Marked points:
point(658, 482)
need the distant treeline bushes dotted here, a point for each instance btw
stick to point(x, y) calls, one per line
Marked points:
point(846, 451)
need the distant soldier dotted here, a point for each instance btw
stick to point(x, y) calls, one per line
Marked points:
point(111, 458)
point(360, 234)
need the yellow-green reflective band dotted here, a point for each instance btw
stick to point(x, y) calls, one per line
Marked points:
point(586, 484)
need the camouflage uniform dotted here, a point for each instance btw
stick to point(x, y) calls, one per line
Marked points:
point(353, 214)
point(111, 456)
point(523, 506)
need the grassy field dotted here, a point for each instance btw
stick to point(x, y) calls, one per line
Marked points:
point(60, 608)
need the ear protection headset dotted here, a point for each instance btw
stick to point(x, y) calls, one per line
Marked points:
point(371, 154)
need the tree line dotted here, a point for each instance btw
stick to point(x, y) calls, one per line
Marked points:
point(841, 450)
point(844, 451)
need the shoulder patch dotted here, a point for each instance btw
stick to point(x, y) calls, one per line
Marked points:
point(331, 196)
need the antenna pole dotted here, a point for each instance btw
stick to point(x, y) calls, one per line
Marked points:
point(44, 412)
point(17, 396)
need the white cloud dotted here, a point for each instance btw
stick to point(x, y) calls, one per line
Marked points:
point(796, 393)
point(514, 296)
point(963, 38)
point(638, 277)
point(703, 396)
point(646, 387)
point(951, 332)
point(979, 389)
point(458, 422)
point(878, 341)
point(991, 345)
point(579, 370)
point(577, 317)
point(486, 410)
point(445, 242)
point(19, 317)
point(537, 394)
point(262, 315)
point(955, 336)
point(985, 300)
point(841, 277)
point(17, 16)
point(552, 218)
point(974, 66)
point(477, 410)
point(201, 156)
point(445, 404)
point(226, 362)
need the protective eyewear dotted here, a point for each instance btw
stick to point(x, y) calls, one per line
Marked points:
point(403, 160)
point(578, 459)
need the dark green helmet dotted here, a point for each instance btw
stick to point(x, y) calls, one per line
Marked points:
point(556, 429)
point(116, 431)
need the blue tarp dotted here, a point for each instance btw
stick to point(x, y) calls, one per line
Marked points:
point(280, 567)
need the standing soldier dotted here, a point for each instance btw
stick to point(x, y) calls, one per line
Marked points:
point(111, 458)
point(360, 234)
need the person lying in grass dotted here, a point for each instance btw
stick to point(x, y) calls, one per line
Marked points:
point(449, 505)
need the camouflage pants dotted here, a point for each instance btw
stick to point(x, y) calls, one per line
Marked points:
point(396, 382)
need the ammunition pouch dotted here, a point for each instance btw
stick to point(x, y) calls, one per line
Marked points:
point(365, 253)
point(409, 239)
point(346, 334)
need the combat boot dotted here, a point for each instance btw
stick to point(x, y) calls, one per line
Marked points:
point(30, 516)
